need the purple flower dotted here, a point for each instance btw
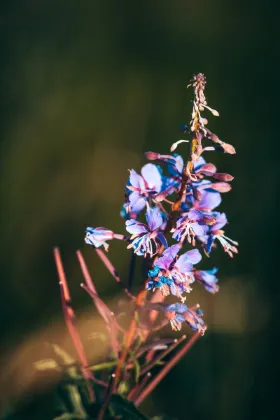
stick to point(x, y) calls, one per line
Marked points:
point(209, 200)
point(215, 233)
point(202, 197)
point(201, 193)
point(190, 226)
point(177, 313)
point(175, 165)
point(98, 237)
point(174, 276)
point(208, 279)
point(143, 186)
point(146, 239)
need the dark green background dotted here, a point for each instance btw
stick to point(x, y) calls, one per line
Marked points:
point(87, 87)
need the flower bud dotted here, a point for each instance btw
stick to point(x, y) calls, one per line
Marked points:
point(220, 187)
point(152, 155)
point(223, 177)
point(228, 148)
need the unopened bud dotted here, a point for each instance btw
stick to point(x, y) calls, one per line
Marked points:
point(152, 155)
point(228, 148)
point(208, 169)
point(220, 187)
point(223, 177)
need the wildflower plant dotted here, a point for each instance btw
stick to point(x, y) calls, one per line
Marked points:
point(171, 221)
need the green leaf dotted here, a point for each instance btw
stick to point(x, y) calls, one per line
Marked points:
point(70, 416)
point(76, 400)
point(46, 364)
point(67, 360)
point(137, 370)
point(105, 365)
point(124, 409)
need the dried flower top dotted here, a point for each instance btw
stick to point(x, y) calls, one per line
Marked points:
point(199, 82)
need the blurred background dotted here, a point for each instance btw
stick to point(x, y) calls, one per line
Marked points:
point(87, 87)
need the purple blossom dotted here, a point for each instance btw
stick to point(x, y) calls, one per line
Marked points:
point(178, 313)
point(178, 274)
point(98, 236)
point(208, 279)
point(146, 239)
point(191, 225)
point(216, 233)
point(175, 165)
point(143, 186)
point(197, 186)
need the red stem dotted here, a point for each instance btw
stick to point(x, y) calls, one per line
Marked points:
point(144, 394)
point(162, 355)
point(70, 320)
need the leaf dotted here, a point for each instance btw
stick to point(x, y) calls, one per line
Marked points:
point(101, 366)
point(46, 364)
point(67, 360)
point(124, 409)
point(137, 370)
point(76, 401)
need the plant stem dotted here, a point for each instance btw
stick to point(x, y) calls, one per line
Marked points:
point(142, 294)
point(109, 392)
point(164, 353)
point(144, 394)
point(70, 320)
point(129, 338)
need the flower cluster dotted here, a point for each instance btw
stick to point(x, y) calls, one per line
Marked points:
point(179, 198)
point(172, 222)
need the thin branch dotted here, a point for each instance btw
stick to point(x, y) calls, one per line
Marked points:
point(138, 387)
point(163, 354)
point(85, 272)
point(146, 392)
point(109, 392)
point(70, 320)
point(129, 338)
point(107, 316)
point(112, 270)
